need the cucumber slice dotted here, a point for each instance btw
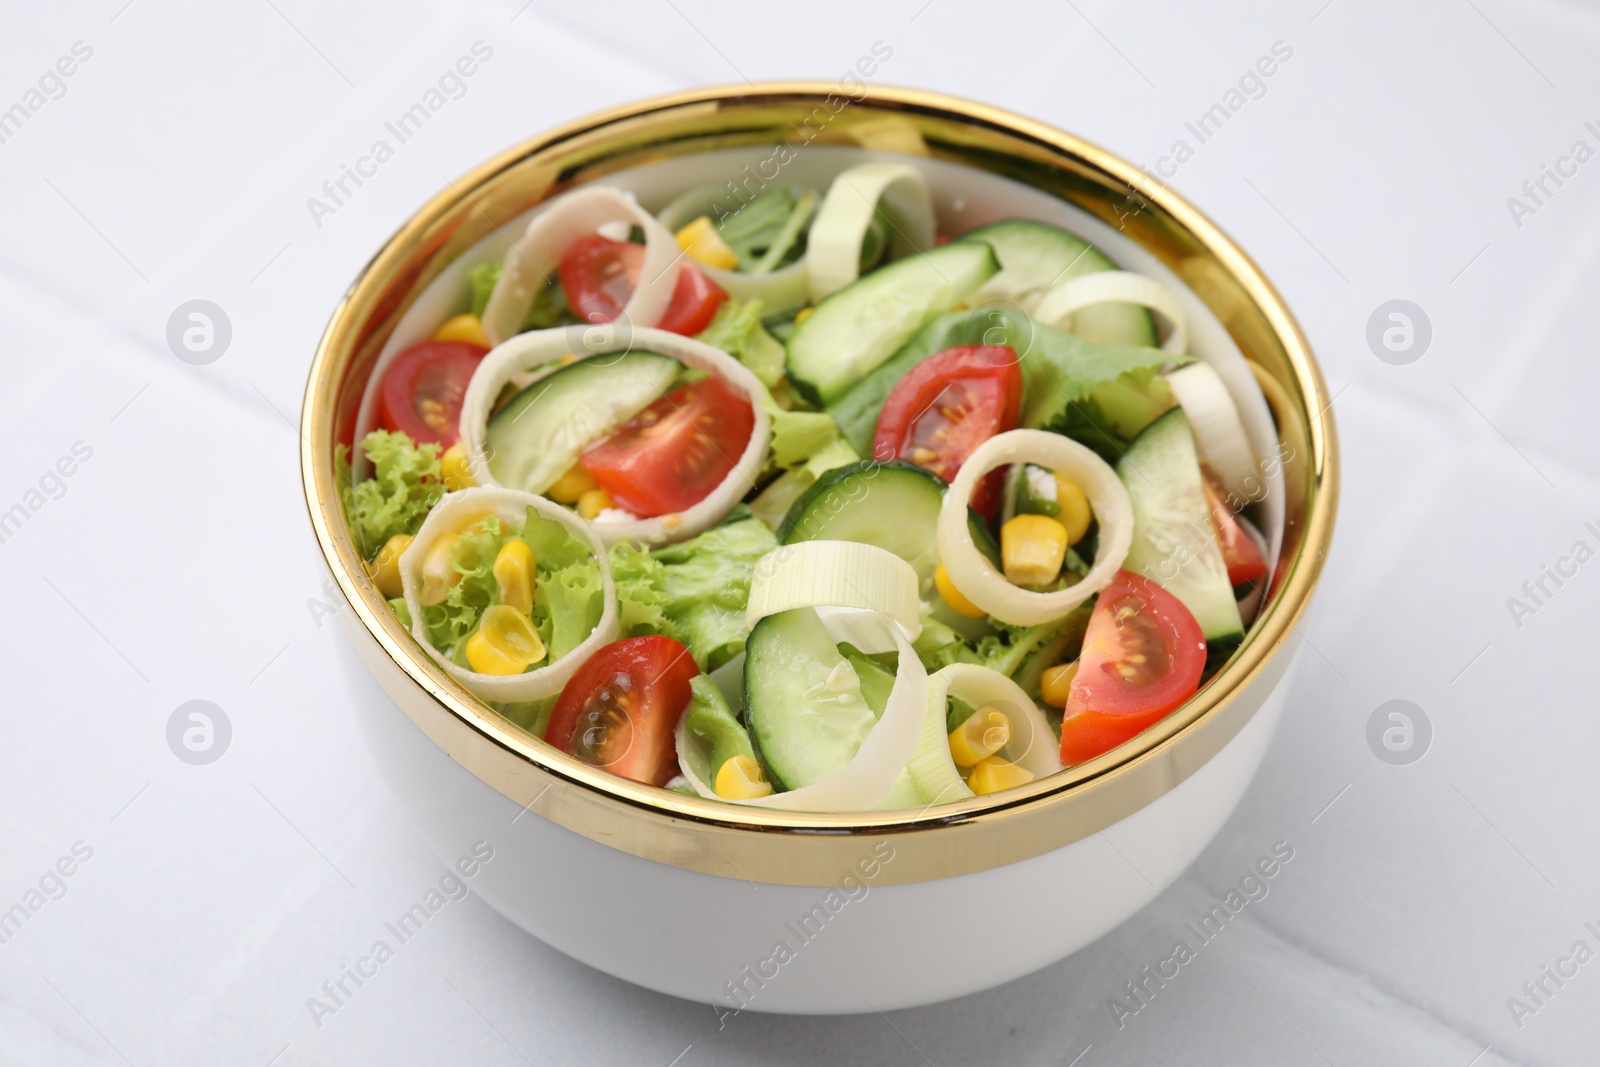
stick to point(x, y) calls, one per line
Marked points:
point(893, 505)
point(804, 703)
point(1174, 543)
point(853, 330)
point(1034, 256)
point(539, 434)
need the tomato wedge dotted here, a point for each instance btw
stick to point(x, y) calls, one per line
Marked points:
point(1240, 552)
point(948, 405)
point(621, 708)
point(599, 275)
point(420, 395)
point(1143, 655)
point(670, 455)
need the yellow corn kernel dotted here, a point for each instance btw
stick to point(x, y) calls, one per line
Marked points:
point(1055, 684)
point(385, 567)
point(454, 470)
point(571, 485)
point(953, 596)
point(994, 774)
point(439, 574)
point(1032, 548)
point(1075, 512)
point(984, 733)
point(705, 245)
point(504, 643)
point(463, 328)
point(740, 778)
point(593, 503)
point(514, 571)
point(805, 313)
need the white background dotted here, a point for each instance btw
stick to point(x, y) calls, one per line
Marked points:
point(178, 564)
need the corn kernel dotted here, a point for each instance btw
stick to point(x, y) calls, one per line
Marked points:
point(994, 774)
point(1055, 684)
point(705, 245)
point(504, 643)
point(984, 733)
point(740, 778)
point(571, 485)
point(953, 596)
point(463, 328)
point(593, 503)
point(514, 571)
point(1032, 548)
point(805, 313)
point(385, 567)
point(1075, 511)
point(454, 470)
point(439, 574)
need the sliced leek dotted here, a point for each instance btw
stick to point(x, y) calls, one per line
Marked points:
point(977, 578)
point(840, 574)
point(537, 349)
point(460, 509)
point(1031, 744)
point(532, 262)
point(1218, 431)
point(1057, 306)
point(855, 197)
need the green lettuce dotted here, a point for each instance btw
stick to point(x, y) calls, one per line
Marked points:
point(696, 591)
point(1061, 373)
point(404, 487)
point(549, 307)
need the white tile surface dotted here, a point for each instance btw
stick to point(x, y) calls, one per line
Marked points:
point(1376, 165)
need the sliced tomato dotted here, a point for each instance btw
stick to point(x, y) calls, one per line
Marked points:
point(621, 708)
point(599, 275)
point(1143, 655)
point(1240, 552)
point(948, 405)
point(670, 455)
point(421, 392)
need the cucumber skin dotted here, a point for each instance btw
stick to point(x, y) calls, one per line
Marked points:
point(1159, 461)
point(815, 331)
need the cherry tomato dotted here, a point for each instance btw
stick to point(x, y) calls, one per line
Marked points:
point(948, 405)
point(1240, 552)
point(620, 709)
point(1143, 655)
point(421, 392)
point(670, 455)
point(599, 276)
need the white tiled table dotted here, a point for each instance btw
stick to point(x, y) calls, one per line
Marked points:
point(176, 563)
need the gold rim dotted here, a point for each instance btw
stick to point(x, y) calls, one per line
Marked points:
point(797, 848)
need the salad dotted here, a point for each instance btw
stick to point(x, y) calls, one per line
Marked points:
point(797, 501)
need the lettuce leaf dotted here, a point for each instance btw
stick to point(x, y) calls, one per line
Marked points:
point(404, 487)
point(549, 307)
point(696, 591)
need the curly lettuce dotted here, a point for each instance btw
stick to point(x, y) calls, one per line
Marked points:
point(404, 487)
point(696, 591)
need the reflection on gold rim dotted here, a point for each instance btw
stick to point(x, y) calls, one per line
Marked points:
point(786, 847)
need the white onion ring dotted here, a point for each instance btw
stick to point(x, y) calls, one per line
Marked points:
point(1033, 744)
point(783, 290)
point(511, 506)
point(529, 351)
point(976, 577)
point(530, 262)
point(1056, 306)
point(1218, 431)
point(833, 247)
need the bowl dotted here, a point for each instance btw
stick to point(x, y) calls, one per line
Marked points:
point(777, 911)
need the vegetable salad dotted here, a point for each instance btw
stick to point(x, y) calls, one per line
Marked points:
point(798, 502)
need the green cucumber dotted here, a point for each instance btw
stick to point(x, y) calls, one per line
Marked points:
point(893, 505)
point(853, 330)
point(539, 434)
point(1035, 256)
point(1174, 543)
point(803, 700)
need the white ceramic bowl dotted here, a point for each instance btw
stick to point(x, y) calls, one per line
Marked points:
point(787, 912)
